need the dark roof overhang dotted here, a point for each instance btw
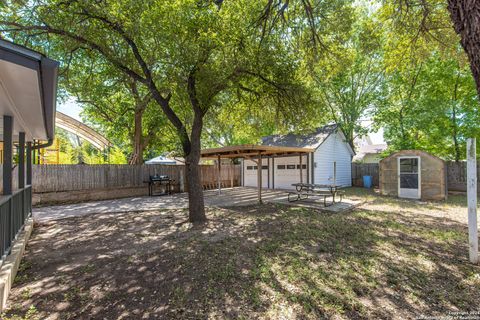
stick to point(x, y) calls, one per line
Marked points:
point(47, 72)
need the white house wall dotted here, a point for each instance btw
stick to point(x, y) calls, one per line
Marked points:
point(333, 149)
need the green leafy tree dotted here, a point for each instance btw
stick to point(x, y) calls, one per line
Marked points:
point(433, 107)
point(352, 85)
point(187, 54)
point(432, 103)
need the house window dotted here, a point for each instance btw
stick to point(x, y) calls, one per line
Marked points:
point(281, 167)
point(249, 167)
point(255, 167)
point(264, 167)
point(290, 166)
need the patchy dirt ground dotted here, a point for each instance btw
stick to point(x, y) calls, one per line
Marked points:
point(387, 259)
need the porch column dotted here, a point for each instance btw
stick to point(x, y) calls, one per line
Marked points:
point(29, 163)
point(7, 154)
point(21, 160)
point(259, 177)
point(273, 172)
point(34, 153)
point(301, 169)
point(218, 175)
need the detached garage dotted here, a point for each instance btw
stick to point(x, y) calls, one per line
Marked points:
point(328, 160)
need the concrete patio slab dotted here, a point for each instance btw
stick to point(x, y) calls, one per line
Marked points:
point(229, 197)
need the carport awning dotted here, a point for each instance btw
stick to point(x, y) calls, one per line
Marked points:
point(252, 151)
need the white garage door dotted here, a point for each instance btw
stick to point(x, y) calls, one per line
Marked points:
point(250, 172)
point(287, 172)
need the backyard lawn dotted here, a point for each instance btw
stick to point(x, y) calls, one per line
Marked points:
point(388, 258)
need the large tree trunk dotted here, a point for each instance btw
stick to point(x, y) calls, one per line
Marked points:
point(454, 121)
point(465, 15)
point(138, 146)
point(196, 205)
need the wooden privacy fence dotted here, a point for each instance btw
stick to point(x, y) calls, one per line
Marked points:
point(364, 169)
point(61, 178)
point(457, 176)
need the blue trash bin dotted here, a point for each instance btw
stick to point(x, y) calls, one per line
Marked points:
point(367, 181)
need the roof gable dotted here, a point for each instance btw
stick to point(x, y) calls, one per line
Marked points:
point(312, 140)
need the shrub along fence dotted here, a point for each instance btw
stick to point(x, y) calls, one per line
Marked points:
point(456, 175)
point(69, 183)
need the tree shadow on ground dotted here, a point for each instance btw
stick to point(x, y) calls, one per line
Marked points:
point(258, 261)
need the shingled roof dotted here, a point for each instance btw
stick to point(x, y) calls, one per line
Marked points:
point(311, 140)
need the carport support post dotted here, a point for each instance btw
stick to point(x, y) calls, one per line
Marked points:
point(301, 170)
point(472, 200)
point(218, 175)
point(259, 177)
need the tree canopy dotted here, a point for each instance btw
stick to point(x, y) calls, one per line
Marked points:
point(186, 74)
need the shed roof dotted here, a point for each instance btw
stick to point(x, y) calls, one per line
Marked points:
point(412, 153)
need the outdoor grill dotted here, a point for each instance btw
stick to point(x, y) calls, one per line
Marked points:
point(161, 180)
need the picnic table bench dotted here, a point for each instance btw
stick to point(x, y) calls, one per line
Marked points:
point(305, 190)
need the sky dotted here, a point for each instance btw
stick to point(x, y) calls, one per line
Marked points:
point(377, 137)
point(70, 108)
point(73, 109)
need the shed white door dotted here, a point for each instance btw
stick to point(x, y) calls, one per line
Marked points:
point(409, 179)
point(250, 171)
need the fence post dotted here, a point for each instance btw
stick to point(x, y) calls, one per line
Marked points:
point(472, 199)
point(182, 178)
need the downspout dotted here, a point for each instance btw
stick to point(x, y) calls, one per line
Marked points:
point(45, 145)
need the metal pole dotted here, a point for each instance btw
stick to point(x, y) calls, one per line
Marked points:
point(231, 172)
point(21, 160)
point(472, 200)
point(218, 176)
point(7, 154)
point(29, 163)
point(259, 178)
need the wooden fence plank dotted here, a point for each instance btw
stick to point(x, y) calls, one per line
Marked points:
point(456, 175)
point(59, 178)
point(364, 169)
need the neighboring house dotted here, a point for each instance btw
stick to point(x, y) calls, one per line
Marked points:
point(329, 163)
point(370, 153)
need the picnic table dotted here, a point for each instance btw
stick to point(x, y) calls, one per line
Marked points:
point(305, 190)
